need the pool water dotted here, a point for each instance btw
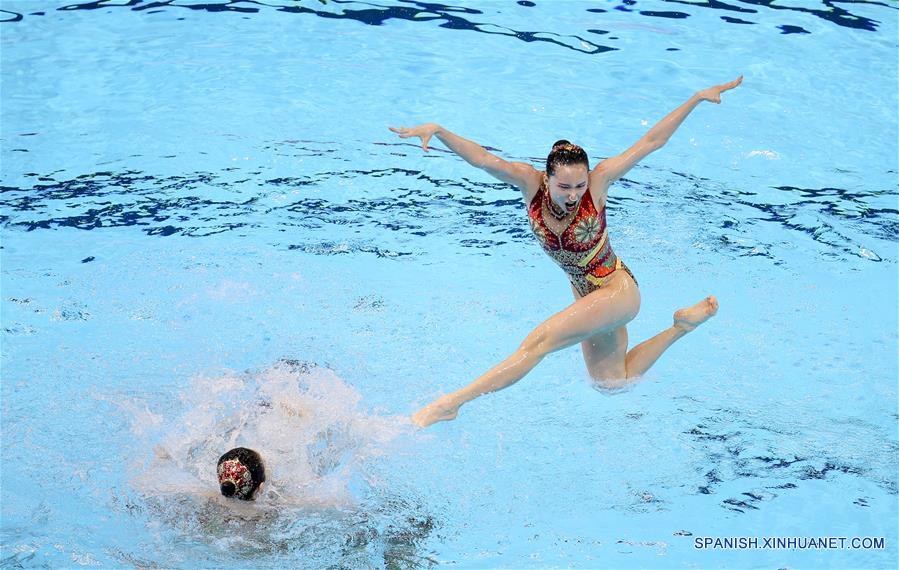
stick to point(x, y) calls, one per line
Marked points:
point(211, 239)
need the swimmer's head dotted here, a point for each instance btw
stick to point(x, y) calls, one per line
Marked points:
point(240, 473)
point(565, 153)
point(567, 174)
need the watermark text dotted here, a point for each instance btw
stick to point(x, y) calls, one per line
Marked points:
point(789, 543)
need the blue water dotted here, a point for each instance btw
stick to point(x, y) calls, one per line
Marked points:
point(210, 239)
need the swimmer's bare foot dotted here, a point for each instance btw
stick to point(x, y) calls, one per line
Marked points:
point(691, 317)
point(440, 410)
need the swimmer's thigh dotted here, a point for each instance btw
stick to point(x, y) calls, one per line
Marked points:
point(605, 353)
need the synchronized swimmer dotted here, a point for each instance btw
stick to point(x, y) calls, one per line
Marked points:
point(566, 207)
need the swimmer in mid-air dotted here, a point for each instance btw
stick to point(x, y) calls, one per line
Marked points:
point(566, 206)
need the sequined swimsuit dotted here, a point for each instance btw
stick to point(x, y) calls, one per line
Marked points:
point(582, 249)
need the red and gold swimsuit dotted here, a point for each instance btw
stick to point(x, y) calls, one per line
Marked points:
point(582, 249)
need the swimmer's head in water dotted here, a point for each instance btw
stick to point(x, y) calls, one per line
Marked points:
point(240, 473)
point(567, 176)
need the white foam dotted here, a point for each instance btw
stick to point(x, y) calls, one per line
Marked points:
point(304, 420)
point(769, 154)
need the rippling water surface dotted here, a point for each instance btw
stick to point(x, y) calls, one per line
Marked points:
point(210, 239)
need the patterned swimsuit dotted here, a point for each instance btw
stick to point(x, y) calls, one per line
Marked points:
point(582, 249)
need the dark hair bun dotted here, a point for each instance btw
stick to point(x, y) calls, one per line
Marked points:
point(565, 153)
point(242, 474)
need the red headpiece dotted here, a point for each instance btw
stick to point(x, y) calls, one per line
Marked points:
point(237, 473)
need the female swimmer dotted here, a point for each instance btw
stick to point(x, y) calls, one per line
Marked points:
point(566, 206)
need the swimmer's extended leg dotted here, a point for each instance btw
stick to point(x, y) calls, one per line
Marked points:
point(605, 309)
point(640, 358)
point(644, 355)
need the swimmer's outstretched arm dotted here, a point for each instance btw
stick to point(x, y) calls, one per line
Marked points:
point(519, 174)
point(615, 167)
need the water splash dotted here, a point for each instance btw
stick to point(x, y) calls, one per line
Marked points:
point(303, 419)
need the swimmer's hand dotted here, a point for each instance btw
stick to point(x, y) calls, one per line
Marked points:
point(713, 94)
point(424, 132)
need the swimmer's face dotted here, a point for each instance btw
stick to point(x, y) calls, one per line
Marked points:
point(568, 185)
